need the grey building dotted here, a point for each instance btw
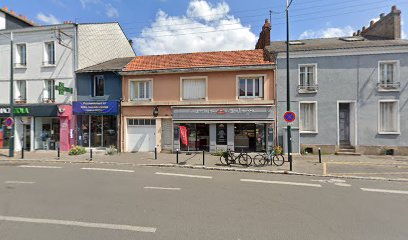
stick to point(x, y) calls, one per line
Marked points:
point(350, 93)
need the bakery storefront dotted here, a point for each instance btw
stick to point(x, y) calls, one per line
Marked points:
point(247, 128)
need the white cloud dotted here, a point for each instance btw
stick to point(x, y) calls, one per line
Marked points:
point(111, 11)
point(327, 33)
point(204, 28)
point(84, 3)
point(49, 20)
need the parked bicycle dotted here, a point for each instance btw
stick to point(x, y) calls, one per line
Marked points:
point(268, 157)
point(230, 158)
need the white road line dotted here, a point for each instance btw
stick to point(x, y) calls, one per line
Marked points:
point(36, 166)
point(383, 190)
point(79, 224)
point(342, 184)
point(283, 183)
point(163, 188)
point(108, 169)
point(183, 175)
point(18, 182)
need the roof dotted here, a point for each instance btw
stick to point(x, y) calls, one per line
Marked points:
point(19, 17)
point(199, 60)
point(333, 44)
point(112, 65)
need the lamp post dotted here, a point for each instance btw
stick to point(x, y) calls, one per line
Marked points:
point(289, 128)
point(11, 144)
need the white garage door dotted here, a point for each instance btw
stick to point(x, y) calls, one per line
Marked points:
point(141, 135)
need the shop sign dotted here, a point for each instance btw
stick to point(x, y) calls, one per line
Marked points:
point(17, 110)
point(223, 113)
point(221, 132)
point(95, 108)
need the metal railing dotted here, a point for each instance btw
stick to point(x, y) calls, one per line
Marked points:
point(308, 88)
point(388, 86)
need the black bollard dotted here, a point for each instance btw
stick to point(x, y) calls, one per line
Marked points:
point(90, 155)
point(22, 153)
point(155, 153)
point(203, 158)
point(177, 156)
point(58, 153)
point(320, 156)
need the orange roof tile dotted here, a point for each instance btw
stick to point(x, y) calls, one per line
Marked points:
point(199, 60)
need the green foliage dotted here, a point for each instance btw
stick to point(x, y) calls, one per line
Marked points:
point(278, 150)
point(77, 150)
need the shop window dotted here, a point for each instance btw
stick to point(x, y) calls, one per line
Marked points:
point(194, 89)
point(98, 86)
point(49, 53)
point(196, 136)
point(140, 90)
point(251, 87)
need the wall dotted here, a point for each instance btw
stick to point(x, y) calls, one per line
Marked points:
point(113, 87)
point(14, 23)
point(2, 20)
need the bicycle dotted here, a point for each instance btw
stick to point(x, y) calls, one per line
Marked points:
point(230, 158)
point(269, 156)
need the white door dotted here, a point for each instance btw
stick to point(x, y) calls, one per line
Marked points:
point(141, 138)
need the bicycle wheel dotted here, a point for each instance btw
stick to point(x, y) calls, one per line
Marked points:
point(278, 160)
point(245, 159)
point(223, 160)
point(259, 160)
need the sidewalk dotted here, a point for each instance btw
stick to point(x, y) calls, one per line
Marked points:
point(379, 167)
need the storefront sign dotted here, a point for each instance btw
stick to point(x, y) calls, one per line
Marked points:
point(221, 138)
point(30, 110)
point(224, 113)
point(62, 89)
point(95, 108)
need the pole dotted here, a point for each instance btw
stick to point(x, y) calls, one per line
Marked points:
point(177, 156)
point(58, 153)
point(289, 128)
point(320, 156)
point(11, 148)
point(155, 153)
point(22, 153)
point(90, 154)
point(203, 158)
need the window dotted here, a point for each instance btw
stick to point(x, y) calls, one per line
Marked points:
point(388, 75)
point(141, 122)
point(21, 55)
point(194, 89)
point(308, 117)
point(307, 78)
point(251, 87)
point(98, 86)
point(20, 91)
point(49, 53)
point(49, 91)
point(140, 90)
point(389, 117)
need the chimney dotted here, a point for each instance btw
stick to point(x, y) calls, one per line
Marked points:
point(5, 9)
point(388, 27)
point(265, 36)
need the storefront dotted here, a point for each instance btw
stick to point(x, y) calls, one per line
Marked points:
point(97, 123)
point(247, 128)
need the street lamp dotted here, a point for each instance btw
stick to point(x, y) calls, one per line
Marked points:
point(289, 128)
point(11, 145)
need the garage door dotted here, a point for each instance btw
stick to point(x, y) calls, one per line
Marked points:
point(141, 135)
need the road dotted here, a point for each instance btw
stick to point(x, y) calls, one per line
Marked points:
point(51, 201)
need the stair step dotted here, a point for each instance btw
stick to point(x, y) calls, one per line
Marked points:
point(348, 153)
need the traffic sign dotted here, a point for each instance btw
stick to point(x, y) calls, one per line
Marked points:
point(289, 117)
point(9, 122)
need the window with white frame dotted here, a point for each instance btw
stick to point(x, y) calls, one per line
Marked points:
point(308, 117)
point(140, 90)
point(194, 89)
point(250, 87)
point(307, 75)
point(20, 90)
point(98, 86)
point(49, 90)
point(388, 72)
point(49, 53)
point(21, 55)
point(388, 117)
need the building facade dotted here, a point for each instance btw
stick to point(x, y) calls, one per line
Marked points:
point(199, 101)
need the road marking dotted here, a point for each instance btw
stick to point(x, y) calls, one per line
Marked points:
point(36, 166)
point(284, 183)
point(18, 182)
point(108, 169)
point(342, 184)
point(163, 188)
point(324, 168)
point(383, 190)
point(79, 224)
point(368, 173)
point(183, 175)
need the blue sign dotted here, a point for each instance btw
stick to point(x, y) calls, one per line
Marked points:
point(289, 117)
point(95, 108)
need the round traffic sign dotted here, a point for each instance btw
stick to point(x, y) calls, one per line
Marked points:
point(9, 122)
point(289, 117)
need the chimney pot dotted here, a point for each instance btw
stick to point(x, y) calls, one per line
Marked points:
point(12, 12)
point(354, 34)
point(363, 29)
point(372, 23)
point(394, 8)
point(382, 15)
point(358, 32)
point(5, 9)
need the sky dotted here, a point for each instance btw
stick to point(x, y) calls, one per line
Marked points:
point(179, 26)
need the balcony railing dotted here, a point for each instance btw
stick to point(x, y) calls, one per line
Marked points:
point(20, 100)
point(395, 86)
point(48, 100)
point(20, 65)
point(308, 88)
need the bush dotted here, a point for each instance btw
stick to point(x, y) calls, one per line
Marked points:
point(111, 150)
point(278, 150)
point(77, 150)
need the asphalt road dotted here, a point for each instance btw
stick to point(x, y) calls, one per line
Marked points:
point(76, 201)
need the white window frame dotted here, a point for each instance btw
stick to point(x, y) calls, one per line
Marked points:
point(396, 73)
point(150, 98)
point(194, 78)
point(45, 63)
point(18, 62)
point(51, 95)
point(18, 92)
point(316, 117)
point(95, 77)
point(314, 65)
point(262, 90)
point(398, 118)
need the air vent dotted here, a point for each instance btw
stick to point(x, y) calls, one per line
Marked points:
point(352, 39)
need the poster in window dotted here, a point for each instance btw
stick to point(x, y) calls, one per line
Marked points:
point(221, 134)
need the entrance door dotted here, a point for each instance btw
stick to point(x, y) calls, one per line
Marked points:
point(344, 123)
point(27, 137)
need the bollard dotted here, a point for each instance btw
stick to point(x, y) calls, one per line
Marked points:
point(177, 156)
point(58, 153)
point(22, 153)
point(320, 156)
point(90, 155)
point(155, 153)
point(203, 158)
